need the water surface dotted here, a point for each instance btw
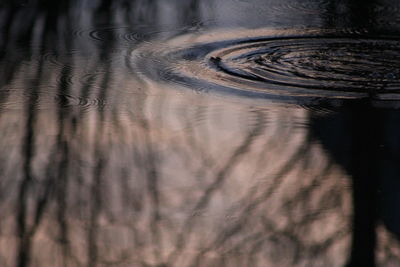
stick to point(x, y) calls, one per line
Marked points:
point(199, 133)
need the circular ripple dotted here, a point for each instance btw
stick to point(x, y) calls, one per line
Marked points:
point(121, 35)
point(305, 65)
point(339, 64)
point(66, 100)
point(110, 34)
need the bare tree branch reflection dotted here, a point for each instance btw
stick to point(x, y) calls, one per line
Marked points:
point(102, 168)
point(220, 177)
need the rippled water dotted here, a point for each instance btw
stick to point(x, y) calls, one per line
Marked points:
point(303, 66)
point(199, 133)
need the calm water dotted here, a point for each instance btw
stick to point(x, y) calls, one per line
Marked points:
point(199, 133)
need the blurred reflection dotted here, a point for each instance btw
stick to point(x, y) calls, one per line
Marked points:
point(99, 167)
point(365, 141)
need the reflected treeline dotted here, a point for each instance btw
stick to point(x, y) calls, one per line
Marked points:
point(101, 168)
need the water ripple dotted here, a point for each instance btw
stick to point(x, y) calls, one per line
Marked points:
point(305, 7)
point(67, 100)
point(109, 34)
point(302, 65)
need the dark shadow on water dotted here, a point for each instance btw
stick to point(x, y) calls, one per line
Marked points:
point(365, 141)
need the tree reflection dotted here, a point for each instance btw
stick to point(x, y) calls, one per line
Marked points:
point(100, 169)
point(365, 143)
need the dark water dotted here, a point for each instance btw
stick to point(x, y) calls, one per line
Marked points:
point(199, 133)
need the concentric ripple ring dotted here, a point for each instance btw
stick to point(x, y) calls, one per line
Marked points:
point(306, 65)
